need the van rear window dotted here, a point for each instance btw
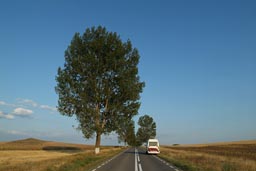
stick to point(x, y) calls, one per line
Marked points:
point(152, 143)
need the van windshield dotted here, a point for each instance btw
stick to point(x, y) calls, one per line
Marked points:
point(152, 143)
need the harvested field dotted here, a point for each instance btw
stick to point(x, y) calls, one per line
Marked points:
point(21, 156)
point(213, 157)
point(32, 154)
point(246, 151)
point(35, 144)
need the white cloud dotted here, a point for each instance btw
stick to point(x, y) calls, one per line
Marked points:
point(46, 107)
point(13, 132)
point(9, 116)
point(27, 101)
point(22, 112)
point(6, 116)
point(21, 108)
point(2, 103)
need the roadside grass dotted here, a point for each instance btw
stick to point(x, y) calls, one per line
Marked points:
point(232, 157)
point(178, 163)
point(38, 155)
point(86, 162)
point(68, 162)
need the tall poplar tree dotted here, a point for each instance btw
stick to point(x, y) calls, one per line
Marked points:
point(99, 82)
point(146, 130)
point(126, 133)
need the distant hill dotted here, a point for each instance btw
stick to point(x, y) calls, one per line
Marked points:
point(36, 144)
point(28, 141)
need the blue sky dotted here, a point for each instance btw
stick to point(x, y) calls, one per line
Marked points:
point(198, 59)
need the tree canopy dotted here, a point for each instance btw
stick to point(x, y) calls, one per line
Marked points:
point(99, 82)
point(126, 133)
point(146, 130)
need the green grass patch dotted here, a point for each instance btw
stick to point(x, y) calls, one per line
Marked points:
point(83, 162)
point(228, 167)
point(179, 164)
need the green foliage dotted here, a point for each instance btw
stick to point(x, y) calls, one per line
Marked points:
point(126, 133)
point(147, 129)
point(99, 82)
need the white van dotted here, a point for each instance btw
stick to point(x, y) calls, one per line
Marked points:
point(152, 146)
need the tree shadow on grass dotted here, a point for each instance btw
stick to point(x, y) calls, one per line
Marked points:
point(63, 149)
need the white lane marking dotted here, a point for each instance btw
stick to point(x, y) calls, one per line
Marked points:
point(137, 161)
point(140, 167)
point(136, 164)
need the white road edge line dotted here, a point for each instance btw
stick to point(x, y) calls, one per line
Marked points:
point(104, 163)
point(166, 163)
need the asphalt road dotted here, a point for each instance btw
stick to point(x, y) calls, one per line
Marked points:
point(135, 159)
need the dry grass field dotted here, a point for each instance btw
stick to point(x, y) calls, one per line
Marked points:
point(35, 144)
point(33, 154)
point(232, 156)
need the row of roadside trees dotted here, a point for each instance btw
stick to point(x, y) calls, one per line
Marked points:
point(126, 133)
point(99, 85)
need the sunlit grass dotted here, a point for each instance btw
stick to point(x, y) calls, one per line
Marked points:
point(37, 155)
point(221, 157)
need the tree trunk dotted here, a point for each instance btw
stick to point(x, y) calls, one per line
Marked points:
point(97, 143)
point(98, 132)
